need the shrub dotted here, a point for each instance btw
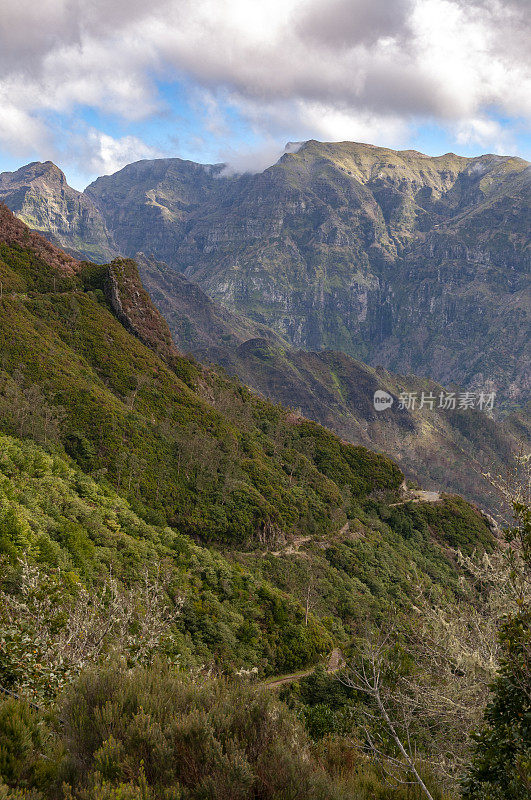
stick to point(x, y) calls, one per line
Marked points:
point(21, 740)
point(152, 732)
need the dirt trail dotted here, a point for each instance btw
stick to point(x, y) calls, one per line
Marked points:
point(417, 496)
point(292, 547)
point(335, 662)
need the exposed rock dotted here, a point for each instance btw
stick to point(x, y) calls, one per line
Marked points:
point(133, 307)
point(417, 263)
point(41, 197)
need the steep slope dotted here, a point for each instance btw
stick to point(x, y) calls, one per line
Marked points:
point(178, 439)
point(40, 196)
point(417, 263)
point(442, 449)
point(14, 234)
point(69, 529)
point(420, 264)
point(147, 205)
point(198, 324)
point(156, 518)
point(66, 524)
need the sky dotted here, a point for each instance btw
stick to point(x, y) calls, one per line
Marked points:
point(96, 84)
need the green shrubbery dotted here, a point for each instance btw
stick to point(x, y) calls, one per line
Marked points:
point(146, 734)
point(119, 465)
point(501, 766)
point(74, 549)
point(74, 533)
point(186, 443)
point(501, 762)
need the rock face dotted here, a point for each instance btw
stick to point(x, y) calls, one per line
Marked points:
point(132, 306)
point(439, 449)
point(41, 197)
point(199, 325)
point(419, 264)
point(147, 205)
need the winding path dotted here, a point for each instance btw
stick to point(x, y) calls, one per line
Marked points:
point(335, 663)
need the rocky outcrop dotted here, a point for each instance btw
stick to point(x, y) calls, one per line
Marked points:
point(41, 197)
point(132, 306)
point(396, 258)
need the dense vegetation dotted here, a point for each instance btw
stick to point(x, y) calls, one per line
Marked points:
point(60, 531)
point(169, 541)
point(198, 450)
point(501, 763)
point(148, 735)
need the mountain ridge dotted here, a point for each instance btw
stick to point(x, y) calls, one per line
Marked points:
point(40, 196)
point(414, 262)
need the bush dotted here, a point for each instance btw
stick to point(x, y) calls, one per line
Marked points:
point(501, 762)
point(21, 740)
point(146, 733)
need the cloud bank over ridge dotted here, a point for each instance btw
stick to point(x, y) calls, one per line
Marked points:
point(332, 69)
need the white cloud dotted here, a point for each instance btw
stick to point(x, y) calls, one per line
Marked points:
point(364, 69)
point(104, 155)
point(255, 159)
point(360, 126)
point(486, 133)
point(20, 133)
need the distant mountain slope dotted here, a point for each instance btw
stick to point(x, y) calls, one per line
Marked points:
point(147, 205)
point(442, 449)
point(116, 452)
point(41, 197)
point(417, 263)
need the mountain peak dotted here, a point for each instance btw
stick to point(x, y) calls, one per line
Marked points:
point(39, 194)
point(46, 171)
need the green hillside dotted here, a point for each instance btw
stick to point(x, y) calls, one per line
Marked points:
point(190, 449)
point(181, 440)
point(168, 541)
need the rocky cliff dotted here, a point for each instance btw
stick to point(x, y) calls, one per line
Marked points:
point(420, 264)
point(41, 197)
point(416, 263)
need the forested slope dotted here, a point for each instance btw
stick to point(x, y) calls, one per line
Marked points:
point(153, 510)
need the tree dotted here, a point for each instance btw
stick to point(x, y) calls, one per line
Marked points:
point(427, 680)
point(53, 626)
point(501, 763)
point(368, 674)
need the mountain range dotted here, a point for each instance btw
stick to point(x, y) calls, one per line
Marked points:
point(337, 255)
point(157, 514)
point(418, 264)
